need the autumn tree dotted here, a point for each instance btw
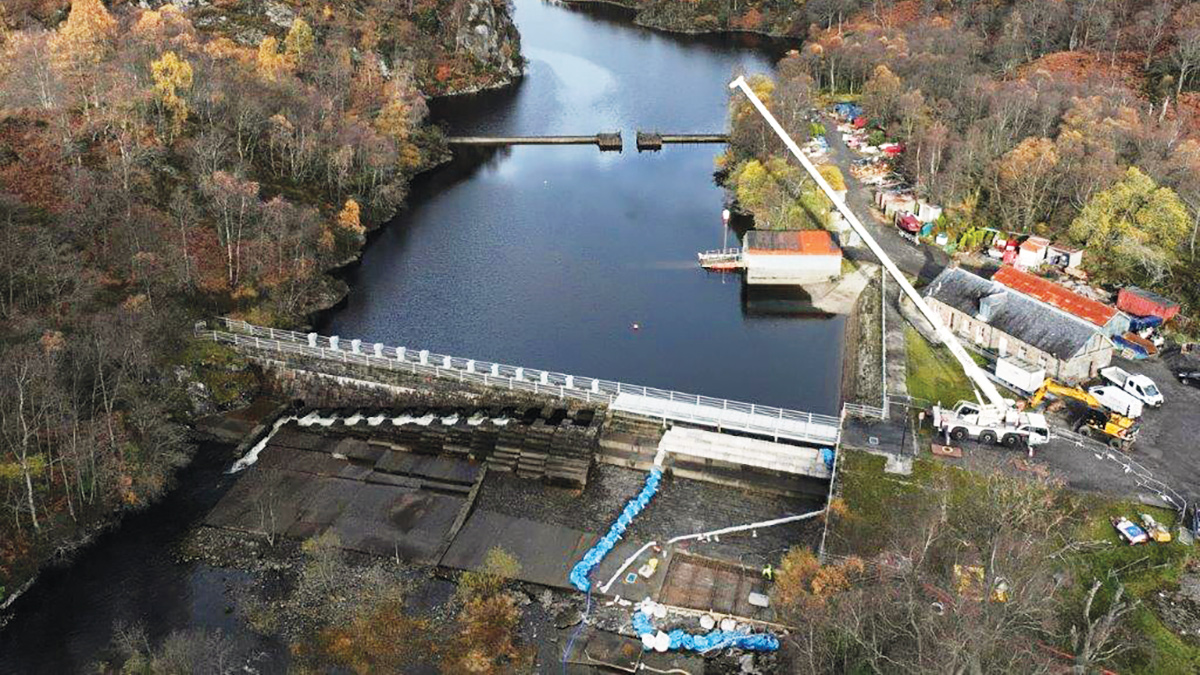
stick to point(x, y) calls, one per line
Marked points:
point(349, 217)
point(1134, 231)
point(1151, 25)
point(299, 43)
point(488, 621)
point(83, 41)
point(1185, 55)
point(271, 62)
point(1022, 182)
point(749, 134)
point(881, 95)
point(172, 75)
point(234, 203)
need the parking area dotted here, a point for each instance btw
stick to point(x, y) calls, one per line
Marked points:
point(1169, 440)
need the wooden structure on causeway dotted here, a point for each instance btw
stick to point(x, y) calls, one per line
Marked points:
point(605, 141)
point(653, 141)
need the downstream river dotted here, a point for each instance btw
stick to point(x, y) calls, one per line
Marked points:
point(546, 256)
point(537, 256)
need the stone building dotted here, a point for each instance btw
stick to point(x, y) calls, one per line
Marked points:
point(995, 317)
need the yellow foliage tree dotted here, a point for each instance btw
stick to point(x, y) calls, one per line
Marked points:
point(349, 218)
point(271, 63)
point(833, 176)
point(85, 38)
point(394, 119)
point(172, 75)
point(299, 43)
point(804, 584)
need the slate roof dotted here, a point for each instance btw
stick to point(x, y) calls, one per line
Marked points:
point(1051, 293)
point(1022, 317)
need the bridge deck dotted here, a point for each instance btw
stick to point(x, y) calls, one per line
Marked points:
point(744, 451)
point(663, 404)
point(761, 420)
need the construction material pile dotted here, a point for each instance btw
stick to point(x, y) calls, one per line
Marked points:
point(660, 641)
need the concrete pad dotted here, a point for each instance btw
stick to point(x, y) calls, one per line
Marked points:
point(370, 517)
point(426, 466)
point(546, 552)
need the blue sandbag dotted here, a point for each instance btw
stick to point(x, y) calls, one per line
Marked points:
point(583, 569)
point(827, 455)
point(699, 642)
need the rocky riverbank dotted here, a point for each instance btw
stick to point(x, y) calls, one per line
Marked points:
point(706, 17)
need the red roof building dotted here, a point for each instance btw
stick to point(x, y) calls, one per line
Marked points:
point(790, 257)
point(791, 242)
point(1092, 311)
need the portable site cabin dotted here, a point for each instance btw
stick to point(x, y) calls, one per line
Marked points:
point(790, 257)
point(1032, 252)
point(1066, 257)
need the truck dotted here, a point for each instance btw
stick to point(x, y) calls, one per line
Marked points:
point(1138, 386)
point(1117, 400)
point(992, 424)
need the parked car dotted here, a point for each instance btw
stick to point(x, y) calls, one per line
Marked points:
point(1189, 377)
point(1130, 531)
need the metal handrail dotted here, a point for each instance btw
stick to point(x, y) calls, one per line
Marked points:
point(734, 414)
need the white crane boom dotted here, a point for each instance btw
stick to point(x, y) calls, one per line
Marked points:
point(969, 366)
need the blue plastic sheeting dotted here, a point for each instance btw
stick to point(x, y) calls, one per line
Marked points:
point(717, 639)
point(1140, 323)
point(827, 455)
point(579, 574)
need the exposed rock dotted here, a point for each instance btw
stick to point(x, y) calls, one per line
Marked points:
point(279, 14)
point(567, 618)
point(489, 35)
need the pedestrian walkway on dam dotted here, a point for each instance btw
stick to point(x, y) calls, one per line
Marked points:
point(777, 424)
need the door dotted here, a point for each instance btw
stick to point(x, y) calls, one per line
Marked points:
point(1002, 346)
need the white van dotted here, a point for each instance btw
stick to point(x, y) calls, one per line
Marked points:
point(1117, 400)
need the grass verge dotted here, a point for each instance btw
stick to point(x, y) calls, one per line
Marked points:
point(933, 373)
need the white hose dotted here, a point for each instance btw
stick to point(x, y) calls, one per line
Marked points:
point(751, 526)
point(640, 551)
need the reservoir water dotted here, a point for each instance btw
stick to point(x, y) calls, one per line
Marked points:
point(546, 256)
point(536, 256)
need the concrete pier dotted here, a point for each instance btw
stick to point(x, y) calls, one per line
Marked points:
point(653, 141)
point(604, 141)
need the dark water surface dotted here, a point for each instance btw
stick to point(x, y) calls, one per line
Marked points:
point(544, 256)
point(538, 256)
point(65, 622)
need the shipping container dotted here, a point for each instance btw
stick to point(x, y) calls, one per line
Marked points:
point(1140, 302)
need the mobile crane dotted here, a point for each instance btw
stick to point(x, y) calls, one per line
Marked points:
point(1118, 430)
point(997, 419)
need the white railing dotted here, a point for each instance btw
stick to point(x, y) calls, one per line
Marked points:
point(863, 410)
point(720, 255)
point(666, 404)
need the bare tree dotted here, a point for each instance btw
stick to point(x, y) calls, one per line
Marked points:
point(1093, 642)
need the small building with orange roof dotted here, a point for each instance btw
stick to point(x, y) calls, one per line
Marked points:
point(790, 257)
